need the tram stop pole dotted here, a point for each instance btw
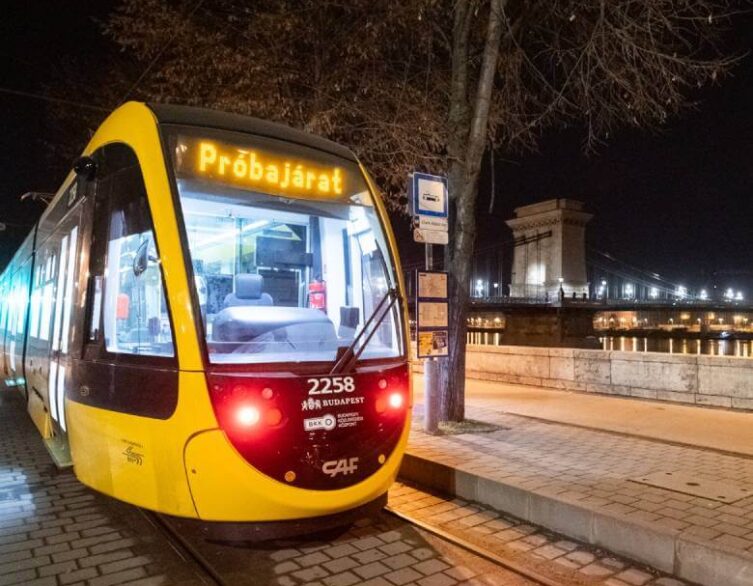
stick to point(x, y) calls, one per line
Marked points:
point(428, 203)
point(431, 373)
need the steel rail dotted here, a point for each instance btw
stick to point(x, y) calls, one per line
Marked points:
point(183, 547)
point(502, 561)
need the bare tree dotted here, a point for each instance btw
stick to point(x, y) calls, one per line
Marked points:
point(431, 84)
point(599, 63)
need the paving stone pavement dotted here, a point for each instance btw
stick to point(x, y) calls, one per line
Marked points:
point(384, 551)
point(561, 559)
point(56, 532)
point(594, 470)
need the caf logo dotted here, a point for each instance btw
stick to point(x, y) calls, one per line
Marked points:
point(343, 466)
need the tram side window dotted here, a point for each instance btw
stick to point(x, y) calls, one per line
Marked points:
point(135, 316)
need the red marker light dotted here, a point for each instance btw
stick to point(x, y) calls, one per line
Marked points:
point(273, 417)
point(248, 416)
point(396, 400)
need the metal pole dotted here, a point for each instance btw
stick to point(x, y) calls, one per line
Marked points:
point(431, 373)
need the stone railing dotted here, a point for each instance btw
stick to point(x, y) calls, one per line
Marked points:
point(702, 380)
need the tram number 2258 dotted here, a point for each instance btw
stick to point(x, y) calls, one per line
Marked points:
point(329, 385)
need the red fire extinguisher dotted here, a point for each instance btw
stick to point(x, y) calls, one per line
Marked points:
point(318, 295)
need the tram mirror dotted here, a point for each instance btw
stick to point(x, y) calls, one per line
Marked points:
point(85, 167)
point(141, 260)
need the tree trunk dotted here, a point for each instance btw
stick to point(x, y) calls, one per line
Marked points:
point(458, 262)
point(468, 134)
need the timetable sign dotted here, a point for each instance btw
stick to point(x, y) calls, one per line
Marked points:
point(432, 313)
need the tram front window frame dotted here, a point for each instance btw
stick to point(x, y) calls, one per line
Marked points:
point(282, 276)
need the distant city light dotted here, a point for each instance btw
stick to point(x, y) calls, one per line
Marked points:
point(654, 293)
point(729, 293)
point(629, 290)
point(739, 296)
point(681, 292)
point(496, 285)
point(704, 295)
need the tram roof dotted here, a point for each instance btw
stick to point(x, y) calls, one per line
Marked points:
point(191, 116)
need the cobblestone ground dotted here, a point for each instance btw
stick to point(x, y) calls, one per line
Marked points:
point(555, 556)
point(384, 551)
point(54, 531)
point(594, 469)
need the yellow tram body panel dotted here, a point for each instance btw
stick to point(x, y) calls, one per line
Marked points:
point(99, 437)
point(139, 459)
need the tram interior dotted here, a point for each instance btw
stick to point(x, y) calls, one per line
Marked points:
point(285, 279)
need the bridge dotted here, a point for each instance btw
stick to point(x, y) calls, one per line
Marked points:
point(608, 304)
point(547, 263)
point(545, 287)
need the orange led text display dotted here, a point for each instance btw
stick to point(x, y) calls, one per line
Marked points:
point(267, 172)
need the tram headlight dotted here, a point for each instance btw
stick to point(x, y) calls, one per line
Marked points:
point(392, 401)
point(248, 416)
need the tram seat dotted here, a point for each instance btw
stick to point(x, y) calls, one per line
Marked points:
point(248, 291)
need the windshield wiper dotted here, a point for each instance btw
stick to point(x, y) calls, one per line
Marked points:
point(346, 360)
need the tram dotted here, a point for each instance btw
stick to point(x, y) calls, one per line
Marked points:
point(208, 320)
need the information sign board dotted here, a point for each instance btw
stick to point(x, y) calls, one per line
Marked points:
point(429, 195)
point(431, 344)
point(432, 313)
point(430, 236)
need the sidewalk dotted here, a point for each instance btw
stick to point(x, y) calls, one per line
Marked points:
point(587, 479)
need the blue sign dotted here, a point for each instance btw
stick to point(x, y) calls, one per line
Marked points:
point(428, 195)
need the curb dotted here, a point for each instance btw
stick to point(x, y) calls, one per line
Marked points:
point(683, 556)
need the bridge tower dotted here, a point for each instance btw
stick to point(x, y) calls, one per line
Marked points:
point(550, 249)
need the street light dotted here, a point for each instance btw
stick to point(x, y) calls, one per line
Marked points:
point(653, 293)
point(681, 292)
point(704, 295)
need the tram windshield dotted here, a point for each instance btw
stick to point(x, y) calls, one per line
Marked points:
point(288, 254)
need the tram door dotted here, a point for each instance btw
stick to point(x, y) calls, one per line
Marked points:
point(67, 240)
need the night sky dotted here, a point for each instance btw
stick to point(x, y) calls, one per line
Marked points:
point(679, 201)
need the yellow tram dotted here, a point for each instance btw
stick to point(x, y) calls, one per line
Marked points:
point(208, 320)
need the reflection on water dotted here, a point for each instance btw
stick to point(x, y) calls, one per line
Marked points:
point(493, 338)
point(740, 348)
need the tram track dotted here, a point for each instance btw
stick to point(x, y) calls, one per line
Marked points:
point(504, 562)
point(184, 547)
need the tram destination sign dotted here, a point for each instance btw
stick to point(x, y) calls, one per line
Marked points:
point(268, 167)
point(432, 314)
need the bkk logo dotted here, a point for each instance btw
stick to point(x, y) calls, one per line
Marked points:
point(327, 422)
point(343, 466)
